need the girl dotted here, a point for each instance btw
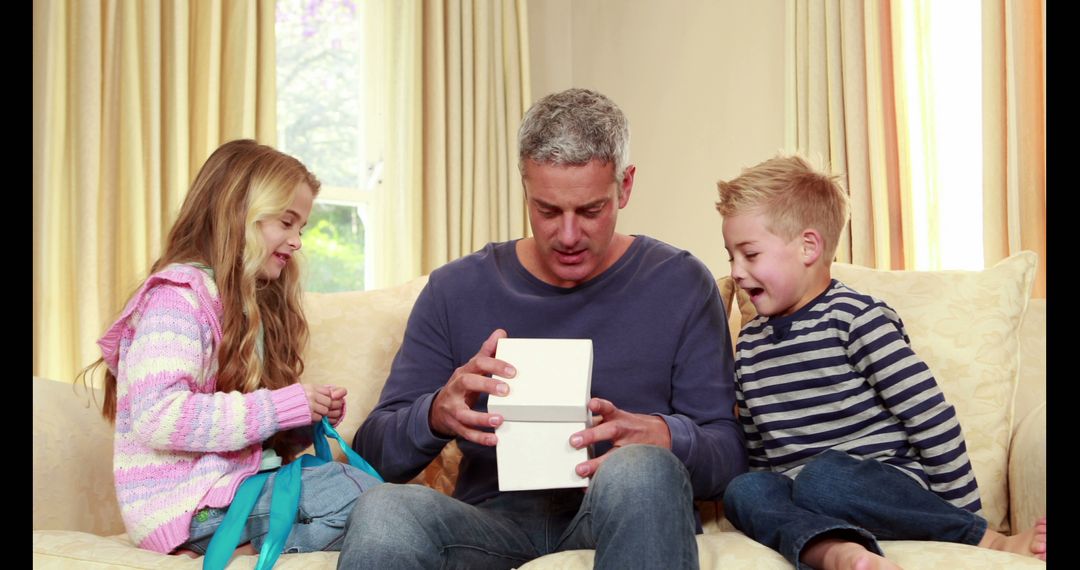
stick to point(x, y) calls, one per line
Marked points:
point(203, 365)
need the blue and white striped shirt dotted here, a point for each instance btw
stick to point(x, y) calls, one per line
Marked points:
point(840, 374)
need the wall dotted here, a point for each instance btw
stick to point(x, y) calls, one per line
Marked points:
point(702, 82)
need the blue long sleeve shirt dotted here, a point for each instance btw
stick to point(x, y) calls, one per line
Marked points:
point(660, 341)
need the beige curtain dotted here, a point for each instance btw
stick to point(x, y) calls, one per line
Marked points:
point(850, 112)
point(844, 112)
point(1014, 131)
point(130, 98)
point(456, 85)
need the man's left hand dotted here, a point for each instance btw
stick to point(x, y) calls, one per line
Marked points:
point(620, 428)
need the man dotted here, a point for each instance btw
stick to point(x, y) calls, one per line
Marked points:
point(662, 376)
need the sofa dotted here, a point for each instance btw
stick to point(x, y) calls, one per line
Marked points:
point(981, 336)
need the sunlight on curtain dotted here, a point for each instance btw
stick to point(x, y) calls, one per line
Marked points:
point(938, 50)
point(1014, 131)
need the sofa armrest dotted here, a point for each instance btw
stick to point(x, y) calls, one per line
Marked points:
point(72, 466)
point(1031, 388)
point(1027, 470)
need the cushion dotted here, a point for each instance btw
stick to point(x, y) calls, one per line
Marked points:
point(735, 550)
point(354, 337)
point(965, 325)
point(62, 550)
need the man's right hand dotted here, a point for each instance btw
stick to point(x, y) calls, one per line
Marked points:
point(452, 414)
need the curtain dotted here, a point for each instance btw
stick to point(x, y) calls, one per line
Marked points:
point(845, 117)
point(455, 81)
point(852, 73)
point(130, 98)
point(1014, 131)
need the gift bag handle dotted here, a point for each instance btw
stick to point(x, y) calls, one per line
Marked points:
point(284, 502)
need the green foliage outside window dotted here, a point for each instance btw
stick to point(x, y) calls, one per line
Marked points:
point(334, 249)
point(318, 114)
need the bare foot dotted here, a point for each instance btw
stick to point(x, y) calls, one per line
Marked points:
point(1031, 542)
point(186, 552)
point(836, 554)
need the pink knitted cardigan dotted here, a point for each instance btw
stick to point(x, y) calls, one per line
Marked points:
point(180, 445)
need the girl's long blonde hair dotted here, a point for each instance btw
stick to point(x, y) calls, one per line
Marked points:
point(242, 184)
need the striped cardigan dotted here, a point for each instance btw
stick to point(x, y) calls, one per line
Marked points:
point(840, 374)
point(180, 445)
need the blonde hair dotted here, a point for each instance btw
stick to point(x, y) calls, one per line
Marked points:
point(241, 185)
point(792, 195)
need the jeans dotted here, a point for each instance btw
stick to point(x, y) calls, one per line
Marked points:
point(327, 495)
point(636, 513)
point(843, 497)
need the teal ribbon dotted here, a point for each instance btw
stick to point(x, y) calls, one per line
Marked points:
point(284, 502)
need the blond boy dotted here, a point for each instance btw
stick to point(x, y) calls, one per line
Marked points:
point(850, 439)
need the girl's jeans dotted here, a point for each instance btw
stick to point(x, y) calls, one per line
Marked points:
point(835, 494)
point(327, 495)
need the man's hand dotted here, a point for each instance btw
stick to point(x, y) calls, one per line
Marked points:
point(452, 414)
point(620, 428)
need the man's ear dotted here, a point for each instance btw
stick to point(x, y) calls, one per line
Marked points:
point(813, 246)
point(626, 186)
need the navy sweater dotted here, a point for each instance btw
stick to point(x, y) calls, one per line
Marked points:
point(660, 346)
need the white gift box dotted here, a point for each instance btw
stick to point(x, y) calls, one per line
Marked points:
point(547, 403)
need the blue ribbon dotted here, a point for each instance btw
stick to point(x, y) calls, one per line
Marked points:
point(284, 502)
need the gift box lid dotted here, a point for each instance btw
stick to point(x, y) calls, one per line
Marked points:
point(553, 381)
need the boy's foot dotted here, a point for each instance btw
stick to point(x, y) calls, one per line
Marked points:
point(835, 554)
point(1031, 542)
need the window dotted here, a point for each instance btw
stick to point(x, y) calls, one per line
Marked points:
point(320, 121)
point(942, 79)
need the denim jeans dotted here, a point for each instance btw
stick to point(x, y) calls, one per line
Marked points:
point(636, 513)
point(327, 495)
point(840, 496)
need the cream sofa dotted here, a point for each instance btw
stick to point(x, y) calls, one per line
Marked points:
point(980, 336)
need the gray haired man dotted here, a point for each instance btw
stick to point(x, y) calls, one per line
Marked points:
point(662, 376)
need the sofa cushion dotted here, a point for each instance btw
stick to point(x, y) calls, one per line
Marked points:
point(734, 550)
point(354, 337)
point(965, 325)
point(62, 550)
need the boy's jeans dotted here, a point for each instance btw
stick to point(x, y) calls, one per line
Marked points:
point(848, 498)
point(637, 513)
point(327, 495)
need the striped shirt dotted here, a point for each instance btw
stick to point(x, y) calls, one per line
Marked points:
point(840, 374)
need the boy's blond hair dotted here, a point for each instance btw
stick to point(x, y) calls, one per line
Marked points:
point(792, 195)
